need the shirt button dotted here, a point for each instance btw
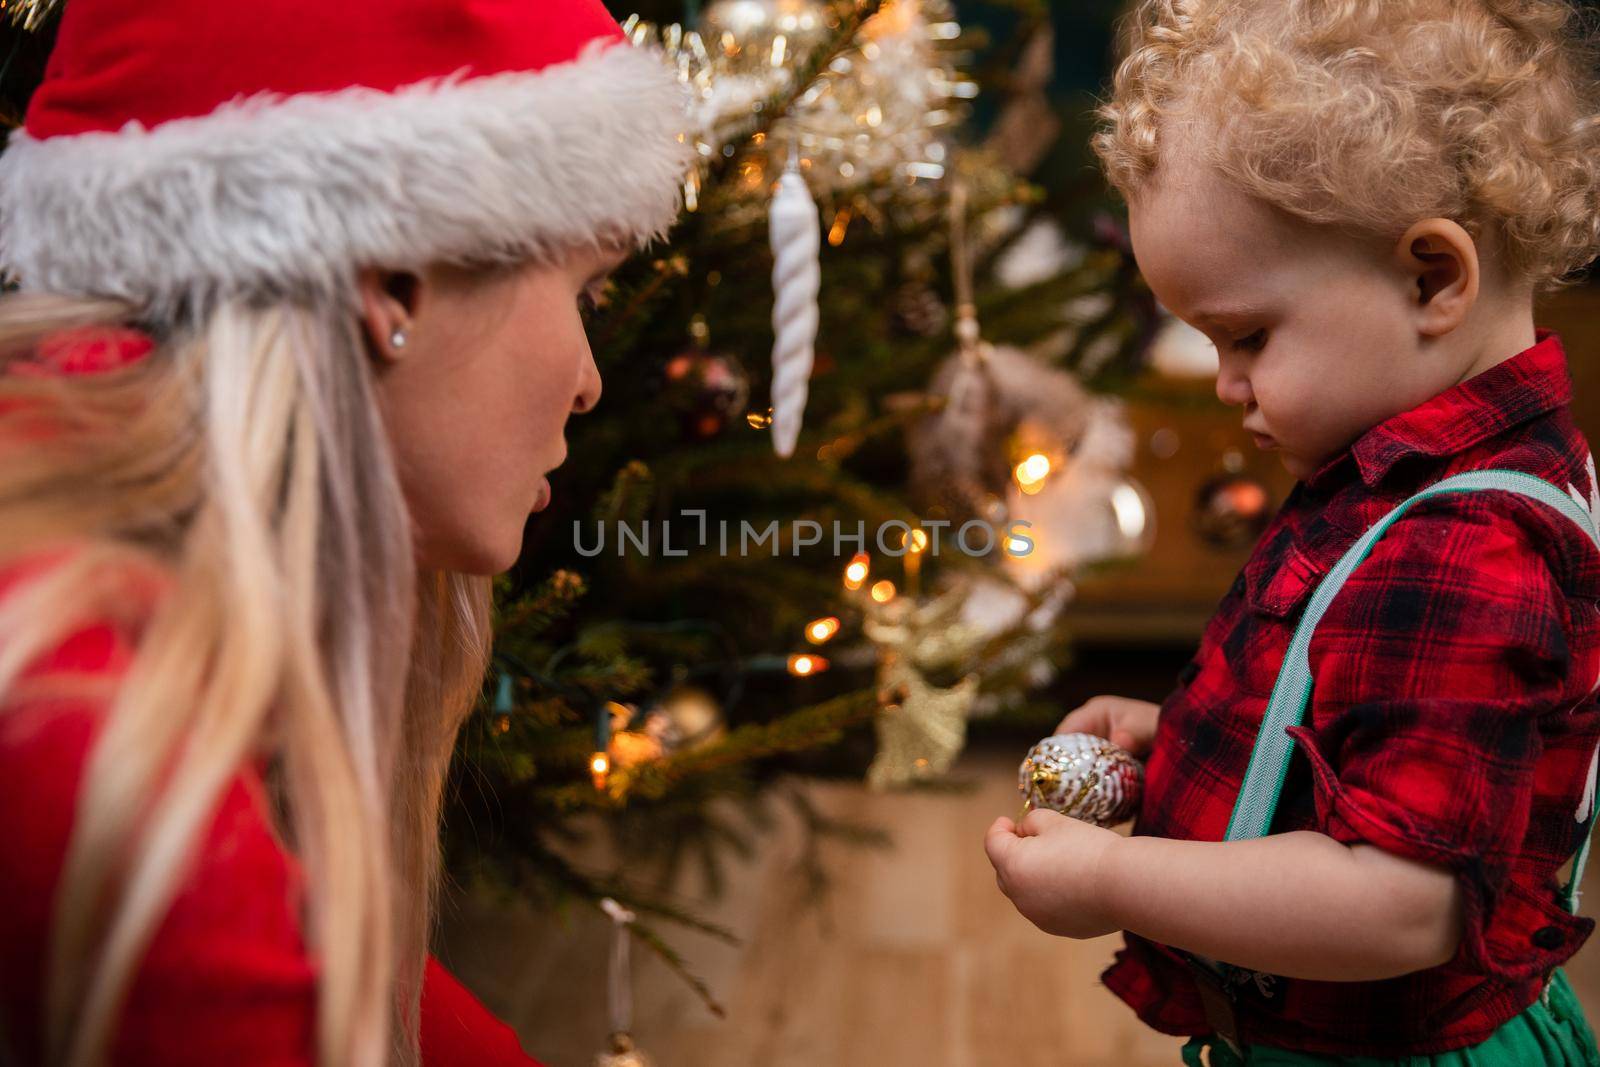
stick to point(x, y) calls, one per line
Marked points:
point(1548, 937)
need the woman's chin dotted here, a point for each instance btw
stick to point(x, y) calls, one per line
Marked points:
point(475, 556)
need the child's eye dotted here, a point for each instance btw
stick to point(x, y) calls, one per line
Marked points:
point(1253, 343)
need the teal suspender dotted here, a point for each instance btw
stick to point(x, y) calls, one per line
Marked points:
point(1269, 762)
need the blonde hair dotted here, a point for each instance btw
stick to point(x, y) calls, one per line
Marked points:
point(242, 472)
point(1369, 115)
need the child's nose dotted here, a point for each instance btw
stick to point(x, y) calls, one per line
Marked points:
point(1232, 386)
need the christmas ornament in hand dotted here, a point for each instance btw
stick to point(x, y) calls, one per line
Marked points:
point(1084, 776)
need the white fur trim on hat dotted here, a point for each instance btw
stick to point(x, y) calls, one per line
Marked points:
point(289, 195)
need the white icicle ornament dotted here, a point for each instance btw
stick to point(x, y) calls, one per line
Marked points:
point(796, 233)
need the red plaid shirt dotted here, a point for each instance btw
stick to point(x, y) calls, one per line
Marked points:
point(1452, 721)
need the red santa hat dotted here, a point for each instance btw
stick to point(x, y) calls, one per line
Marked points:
point(183, 152)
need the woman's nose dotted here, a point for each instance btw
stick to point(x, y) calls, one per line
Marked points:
point(589, 386)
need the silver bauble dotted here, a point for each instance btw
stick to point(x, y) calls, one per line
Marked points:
point(1084, 776)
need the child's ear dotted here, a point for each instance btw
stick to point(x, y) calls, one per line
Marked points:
point(1440, 262)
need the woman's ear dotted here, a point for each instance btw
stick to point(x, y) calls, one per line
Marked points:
point(1440, 260)
point(388, 308)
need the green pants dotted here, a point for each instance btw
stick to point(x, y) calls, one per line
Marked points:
point(1554, 1034)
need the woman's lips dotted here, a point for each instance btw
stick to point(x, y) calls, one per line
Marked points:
point(1264, 441)
point(544, 495)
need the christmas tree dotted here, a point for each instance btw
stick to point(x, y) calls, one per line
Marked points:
point(838, 566)
point(656, 651)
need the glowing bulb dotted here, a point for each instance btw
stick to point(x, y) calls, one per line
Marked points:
point(1031, 472)
point(856, 572)
point(1129, 511)
point(915, 541)
point(804, 664)
point(820, 630)
point(883, 591)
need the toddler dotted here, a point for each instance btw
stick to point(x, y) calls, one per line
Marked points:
point(1357, 202)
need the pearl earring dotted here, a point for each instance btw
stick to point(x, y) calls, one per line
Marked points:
point(398, 338)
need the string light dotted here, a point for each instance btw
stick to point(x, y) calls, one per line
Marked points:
point(915, 542)
point(804, 663)
point(883, 591)
point(1032, 472)
point(820, 630)
point(856, 572)
point(600, 762)
point(841, 225)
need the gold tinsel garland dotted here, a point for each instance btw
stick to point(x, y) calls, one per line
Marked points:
point(875, 116)
point(28, 14)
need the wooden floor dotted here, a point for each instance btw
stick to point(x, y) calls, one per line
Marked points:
point(916, 961)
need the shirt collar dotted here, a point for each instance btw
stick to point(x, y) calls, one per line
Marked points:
point(1530, 383)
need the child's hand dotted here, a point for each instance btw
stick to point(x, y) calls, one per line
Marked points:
point(1128, 723)
point(1050, 868)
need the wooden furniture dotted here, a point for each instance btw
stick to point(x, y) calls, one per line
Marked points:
point(1186, 436)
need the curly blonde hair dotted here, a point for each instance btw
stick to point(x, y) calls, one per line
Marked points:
point(1368, 115)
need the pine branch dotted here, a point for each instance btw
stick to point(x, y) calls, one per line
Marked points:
point(592, 889)
point(675, 962)
point(629, 495)
point(808, 728)
point(664, 272)
point(532, 614)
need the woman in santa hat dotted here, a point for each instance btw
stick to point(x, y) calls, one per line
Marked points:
point(298, 337)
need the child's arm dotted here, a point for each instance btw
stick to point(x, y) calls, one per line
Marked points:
point(1436, 668)
point(1300, 905)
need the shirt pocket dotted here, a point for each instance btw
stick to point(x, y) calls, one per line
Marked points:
point(1281, 592)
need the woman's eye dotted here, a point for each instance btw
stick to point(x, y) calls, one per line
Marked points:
point(1254, 342)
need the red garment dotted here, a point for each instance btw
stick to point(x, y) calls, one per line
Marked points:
point(1452, 719)
point(227, 978)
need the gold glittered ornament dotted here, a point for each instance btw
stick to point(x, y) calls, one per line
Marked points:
point(1084, 776)
point(922, 732)
point(921, 727)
